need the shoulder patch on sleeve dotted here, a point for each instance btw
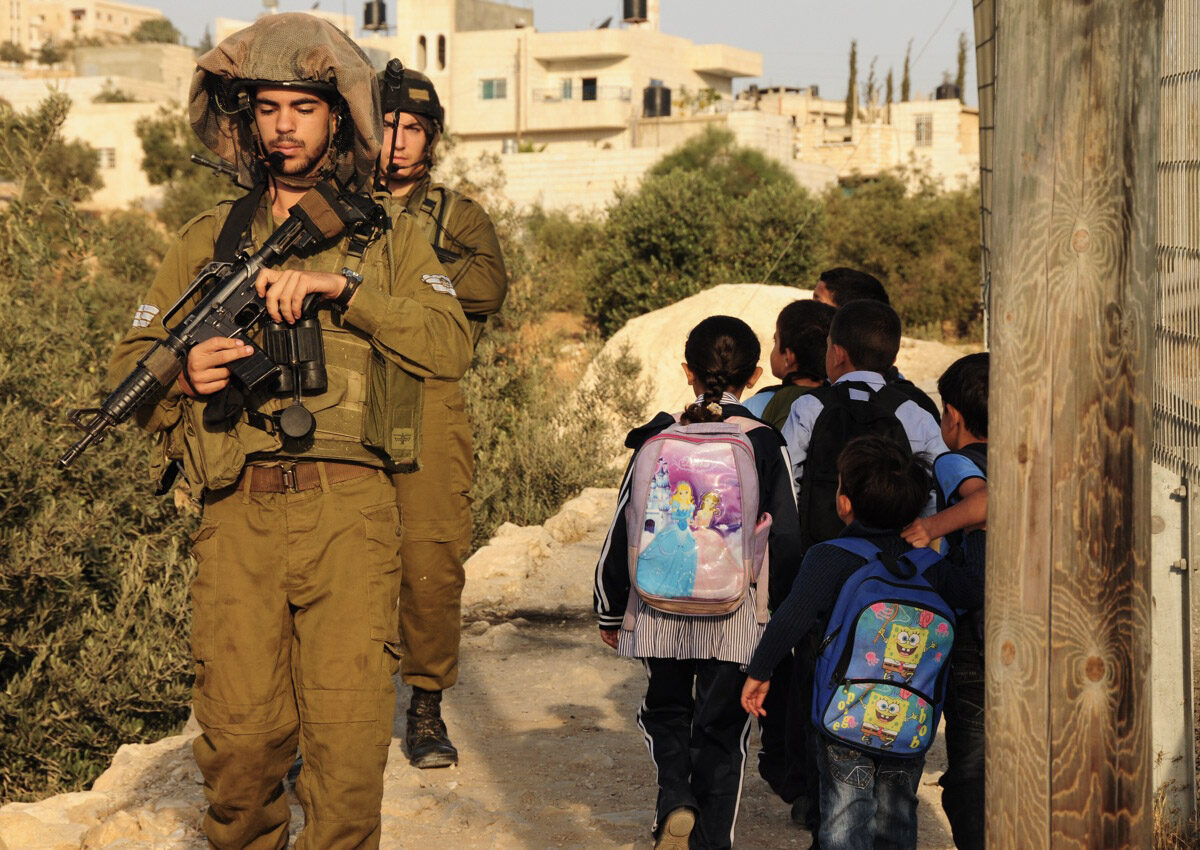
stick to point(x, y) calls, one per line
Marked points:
point(440, 283)
point(144, 315)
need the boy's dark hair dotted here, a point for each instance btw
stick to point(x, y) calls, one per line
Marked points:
point(965, 385)
point(870, 333)
point(803, 327)
point(723, 352)
point(846, 285)
point(887, 484)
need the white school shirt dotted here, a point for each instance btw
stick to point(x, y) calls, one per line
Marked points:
point(924, 433)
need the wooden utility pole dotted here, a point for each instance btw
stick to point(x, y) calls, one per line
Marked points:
point(1068, 642)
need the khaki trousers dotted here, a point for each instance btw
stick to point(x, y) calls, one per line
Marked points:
point(294, 637)
point(435, 509)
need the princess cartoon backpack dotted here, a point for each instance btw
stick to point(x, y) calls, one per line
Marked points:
point(696, 540)
point(881, 669)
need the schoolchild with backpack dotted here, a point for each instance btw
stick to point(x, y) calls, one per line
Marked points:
point(705, 535)
point(961, 478)
point(864, 338)
point(797, 359)
point(837, 288)
point(886, 615)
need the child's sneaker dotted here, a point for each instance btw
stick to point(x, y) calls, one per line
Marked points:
point(676, 829)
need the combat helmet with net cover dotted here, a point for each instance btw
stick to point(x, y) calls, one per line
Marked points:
point(286, 50)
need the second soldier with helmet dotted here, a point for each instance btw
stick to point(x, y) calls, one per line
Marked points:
point(434, 501)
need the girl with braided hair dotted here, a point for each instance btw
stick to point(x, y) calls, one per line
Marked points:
point(695, 728)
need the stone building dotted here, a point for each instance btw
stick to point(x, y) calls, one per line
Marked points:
point(31, 23)
point(940, 137)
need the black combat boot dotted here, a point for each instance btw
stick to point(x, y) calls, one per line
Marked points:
point(426, 738)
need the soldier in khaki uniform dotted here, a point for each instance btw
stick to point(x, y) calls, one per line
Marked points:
point(294, 630)
point(434, 502)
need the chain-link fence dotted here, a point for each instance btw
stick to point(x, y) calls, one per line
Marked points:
point(1177, 325)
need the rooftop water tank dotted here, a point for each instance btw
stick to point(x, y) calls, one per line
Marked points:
point(374, 15)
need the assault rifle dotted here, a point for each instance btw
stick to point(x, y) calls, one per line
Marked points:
point(229, 307)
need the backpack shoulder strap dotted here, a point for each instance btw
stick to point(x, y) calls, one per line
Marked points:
point(921, 559)
point(862, 547)
point(890, 397)
point(977, 454)
point(745, 423)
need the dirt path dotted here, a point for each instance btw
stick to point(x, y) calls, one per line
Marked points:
point(543, 715)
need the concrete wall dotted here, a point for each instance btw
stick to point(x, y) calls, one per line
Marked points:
point(565, 180)
point(471, 15)
point(23, 94)
point(169, 64)
point(952, 155)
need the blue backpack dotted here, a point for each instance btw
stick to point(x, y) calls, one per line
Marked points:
point(881, 669)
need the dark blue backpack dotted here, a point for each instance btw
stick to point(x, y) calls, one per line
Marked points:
point(882, 667)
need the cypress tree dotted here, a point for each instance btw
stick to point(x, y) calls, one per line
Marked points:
point(852, 88)
point(906, 81)
point(961, 77)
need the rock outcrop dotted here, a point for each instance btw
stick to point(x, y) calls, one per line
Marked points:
point(656, 339)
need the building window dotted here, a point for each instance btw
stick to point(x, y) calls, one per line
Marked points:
point(422, 53)
point(924, 129)
point(567, 90)
point(493, 89)
point(441, 63)
point(108, 157)
point(589, 88)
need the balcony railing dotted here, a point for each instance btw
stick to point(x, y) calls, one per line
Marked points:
point(557, 95)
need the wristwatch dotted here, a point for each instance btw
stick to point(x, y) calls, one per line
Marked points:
point(353, 279)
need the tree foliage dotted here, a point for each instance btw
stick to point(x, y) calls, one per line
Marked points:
point(156, 30)
point(10, 52)
point(51, 53)
point(960, 77)
point(852, 85)
point(93, 582)
point(709, 213)
point(906, 79)
point(922, 243)
point(189, 189)
point(715, 152)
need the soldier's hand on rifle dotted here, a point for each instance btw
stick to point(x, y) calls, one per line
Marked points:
point(285, 289)
point(206, 372)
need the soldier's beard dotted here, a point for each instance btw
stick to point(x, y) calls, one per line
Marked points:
point(299, 163)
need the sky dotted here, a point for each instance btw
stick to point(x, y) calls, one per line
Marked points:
point(803, 42)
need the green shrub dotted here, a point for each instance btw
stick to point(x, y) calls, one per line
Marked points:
point(922, 243)
point(93, 581)
point(716, 152)
point(552, 250)
point(529, 427)
point(682, 232)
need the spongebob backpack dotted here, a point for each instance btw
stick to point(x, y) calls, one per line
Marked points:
point(696, 540)
point(882, 667)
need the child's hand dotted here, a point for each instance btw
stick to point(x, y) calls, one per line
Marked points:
point(753, 694)
point(609, 636)
point(917, 534)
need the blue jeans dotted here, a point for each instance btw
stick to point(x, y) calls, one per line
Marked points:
point(963, 782)
point(867, 802)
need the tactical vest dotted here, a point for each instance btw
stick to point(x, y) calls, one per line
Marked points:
point(370, 412)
